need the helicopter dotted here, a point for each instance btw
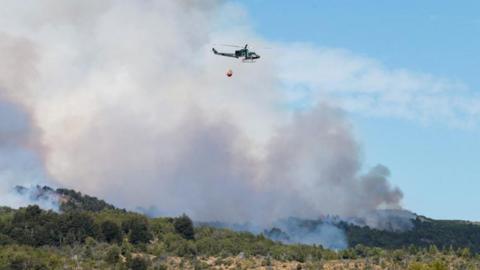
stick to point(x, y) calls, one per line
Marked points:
point(244, 53)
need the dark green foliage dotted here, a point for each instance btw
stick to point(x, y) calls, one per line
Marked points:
point(425, 232)
point(31, 238)
point(77, 226)
point(111, 232)
point(17, 257)
point(223, 242)
point(113, 255)
point(76, 201)
point(138, 230)
point(184, 226)
point(22, 262)
point(34, 227)
point(5, 240)
point(276, 234)
point(138, 263)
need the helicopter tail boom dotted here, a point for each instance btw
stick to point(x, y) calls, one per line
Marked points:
point(223, 54)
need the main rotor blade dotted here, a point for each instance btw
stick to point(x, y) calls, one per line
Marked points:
point(261, 48)
point(229, 45)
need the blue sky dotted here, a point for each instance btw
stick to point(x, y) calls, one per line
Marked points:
point(434, 163)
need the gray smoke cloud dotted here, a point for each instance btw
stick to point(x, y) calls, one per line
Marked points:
point(131, 106)
point(323, 232)
point(21, 153)
point(20, 156)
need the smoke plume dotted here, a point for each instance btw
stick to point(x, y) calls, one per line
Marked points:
point(323, 232)
point(128, 104)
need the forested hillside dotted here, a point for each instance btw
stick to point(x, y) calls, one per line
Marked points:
point(88, 233)
point(444, 234)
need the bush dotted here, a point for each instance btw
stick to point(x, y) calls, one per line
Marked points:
point(138, 263)
point(111, 232)
point(184, 226)
point(138, 230)
point(113, 255)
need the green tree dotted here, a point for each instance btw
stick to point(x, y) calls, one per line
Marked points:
point(184, 226)
point(138, 263)
point(138, 230)
point(111, 232)
point(113, 255)
point(77, 226)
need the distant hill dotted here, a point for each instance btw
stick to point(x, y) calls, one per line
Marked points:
point(389, 229)
point(65, 199)
point(425, 232)
point(85, 232)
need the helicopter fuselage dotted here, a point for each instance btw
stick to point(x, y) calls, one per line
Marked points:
point(242, 53)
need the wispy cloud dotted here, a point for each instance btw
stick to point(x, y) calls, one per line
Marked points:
point(363, 85)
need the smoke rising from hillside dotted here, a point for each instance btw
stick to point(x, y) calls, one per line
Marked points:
point(21, 153)
point(132, 107)
point(20, 160)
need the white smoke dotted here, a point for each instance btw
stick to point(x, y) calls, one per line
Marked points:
point(133, 107)
point(20, 160)
point(292, 230)
point(21, 153)
point(44, 197)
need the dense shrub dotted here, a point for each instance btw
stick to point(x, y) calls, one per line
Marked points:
point(184, 226)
